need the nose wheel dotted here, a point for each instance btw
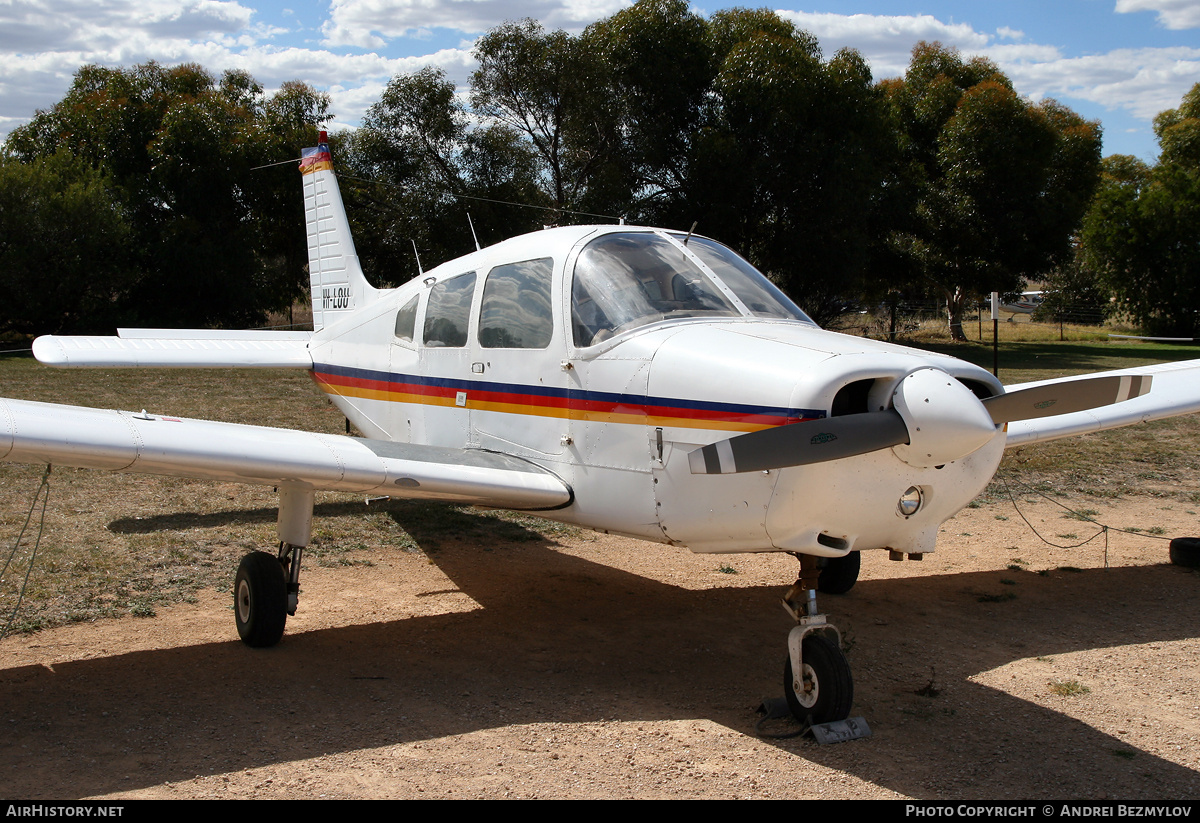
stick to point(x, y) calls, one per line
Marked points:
point(824, 691)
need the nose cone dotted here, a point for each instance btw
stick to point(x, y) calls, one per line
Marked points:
point(945, 420)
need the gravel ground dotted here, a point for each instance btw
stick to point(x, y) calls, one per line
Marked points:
point(600, 667)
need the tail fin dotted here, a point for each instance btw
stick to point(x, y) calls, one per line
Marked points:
point(338, 284)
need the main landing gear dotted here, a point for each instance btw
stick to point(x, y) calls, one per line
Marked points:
point(267, 587)
point(838, 574)
point(816, 676)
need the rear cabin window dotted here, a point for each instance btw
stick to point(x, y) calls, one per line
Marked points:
point(515, 312)
point(449, 312)
point(406, 321)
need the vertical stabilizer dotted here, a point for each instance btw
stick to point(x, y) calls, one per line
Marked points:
point(338, 284)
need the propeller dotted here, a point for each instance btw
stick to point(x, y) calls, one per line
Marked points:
point(798, 444)
point(1065, 397)
point(935, 420)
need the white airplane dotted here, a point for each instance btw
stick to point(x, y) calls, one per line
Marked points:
point(630, 380)
point(1025, 303)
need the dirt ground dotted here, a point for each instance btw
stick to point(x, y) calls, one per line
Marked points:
point(602, 667)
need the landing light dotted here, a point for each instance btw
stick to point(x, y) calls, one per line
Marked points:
point(910, 501)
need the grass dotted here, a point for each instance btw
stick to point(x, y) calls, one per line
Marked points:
point(1068, 688)
point(1003, 597)
point(115, 545)
point(1153, 459)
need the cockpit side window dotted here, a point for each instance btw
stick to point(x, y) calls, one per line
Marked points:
point(406, 320)
point(762, 297)
point(449, 311)
point(630, 279)
point(515, 312)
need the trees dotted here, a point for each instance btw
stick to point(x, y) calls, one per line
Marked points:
point(995, 186)
point(63, 260)
point(422, 168)
point(1142, 233)
point(792, 159)
point(207, 241)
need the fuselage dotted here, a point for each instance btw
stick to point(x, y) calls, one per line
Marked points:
point(608, 353)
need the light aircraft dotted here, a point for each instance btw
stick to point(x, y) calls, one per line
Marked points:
point(631, 380)
point(1027, 302)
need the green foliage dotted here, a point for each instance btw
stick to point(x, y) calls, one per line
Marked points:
point(63, 263)
point(417, 169)
point(993, 186)
point(656, 114)
point(207, 241)
point(1142, 233)
point(1073, 293)
point(540, 85)
point(839, 188)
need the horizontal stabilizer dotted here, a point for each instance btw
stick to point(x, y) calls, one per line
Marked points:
point(178, 348)
point(152, 444)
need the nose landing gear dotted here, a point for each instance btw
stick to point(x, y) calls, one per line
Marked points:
point(816, 676)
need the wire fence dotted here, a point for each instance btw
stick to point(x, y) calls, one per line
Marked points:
point(914, 317)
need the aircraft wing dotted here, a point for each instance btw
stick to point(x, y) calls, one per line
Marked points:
point(1174, 390)
point(153, 444)
point(183, 348)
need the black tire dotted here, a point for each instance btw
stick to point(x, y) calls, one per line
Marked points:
point(839, 574)
point(832, 693)
point(260, 600)
point(1185, 551)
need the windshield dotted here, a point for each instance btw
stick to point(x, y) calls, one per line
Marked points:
point(627, 280)
point(762, 297)
point(630, 279)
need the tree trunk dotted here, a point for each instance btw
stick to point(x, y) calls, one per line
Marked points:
point(956, 303)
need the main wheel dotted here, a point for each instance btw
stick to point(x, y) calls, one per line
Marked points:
point(1185, 551)
point(260, 600)
point(826, 690)
point(839, 574)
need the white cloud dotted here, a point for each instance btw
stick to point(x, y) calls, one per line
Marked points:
point(1173, 14)
point(45, 42)
point(1140, 81)
point(886, 41)
point(372, 23)
point(30, 26)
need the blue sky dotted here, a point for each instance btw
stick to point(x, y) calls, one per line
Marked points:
point(1117, 61)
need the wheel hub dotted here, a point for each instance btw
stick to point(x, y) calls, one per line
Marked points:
point(808, 689)
point(243, 601)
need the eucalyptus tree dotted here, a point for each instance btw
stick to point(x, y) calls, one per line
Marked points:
point(995, 185)
point(210, 240)
point(64, 265)
point(1142, 234)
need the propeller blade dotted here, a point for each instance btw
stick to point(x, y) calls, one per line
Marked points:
point(798, 444)
point(1065, 397)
